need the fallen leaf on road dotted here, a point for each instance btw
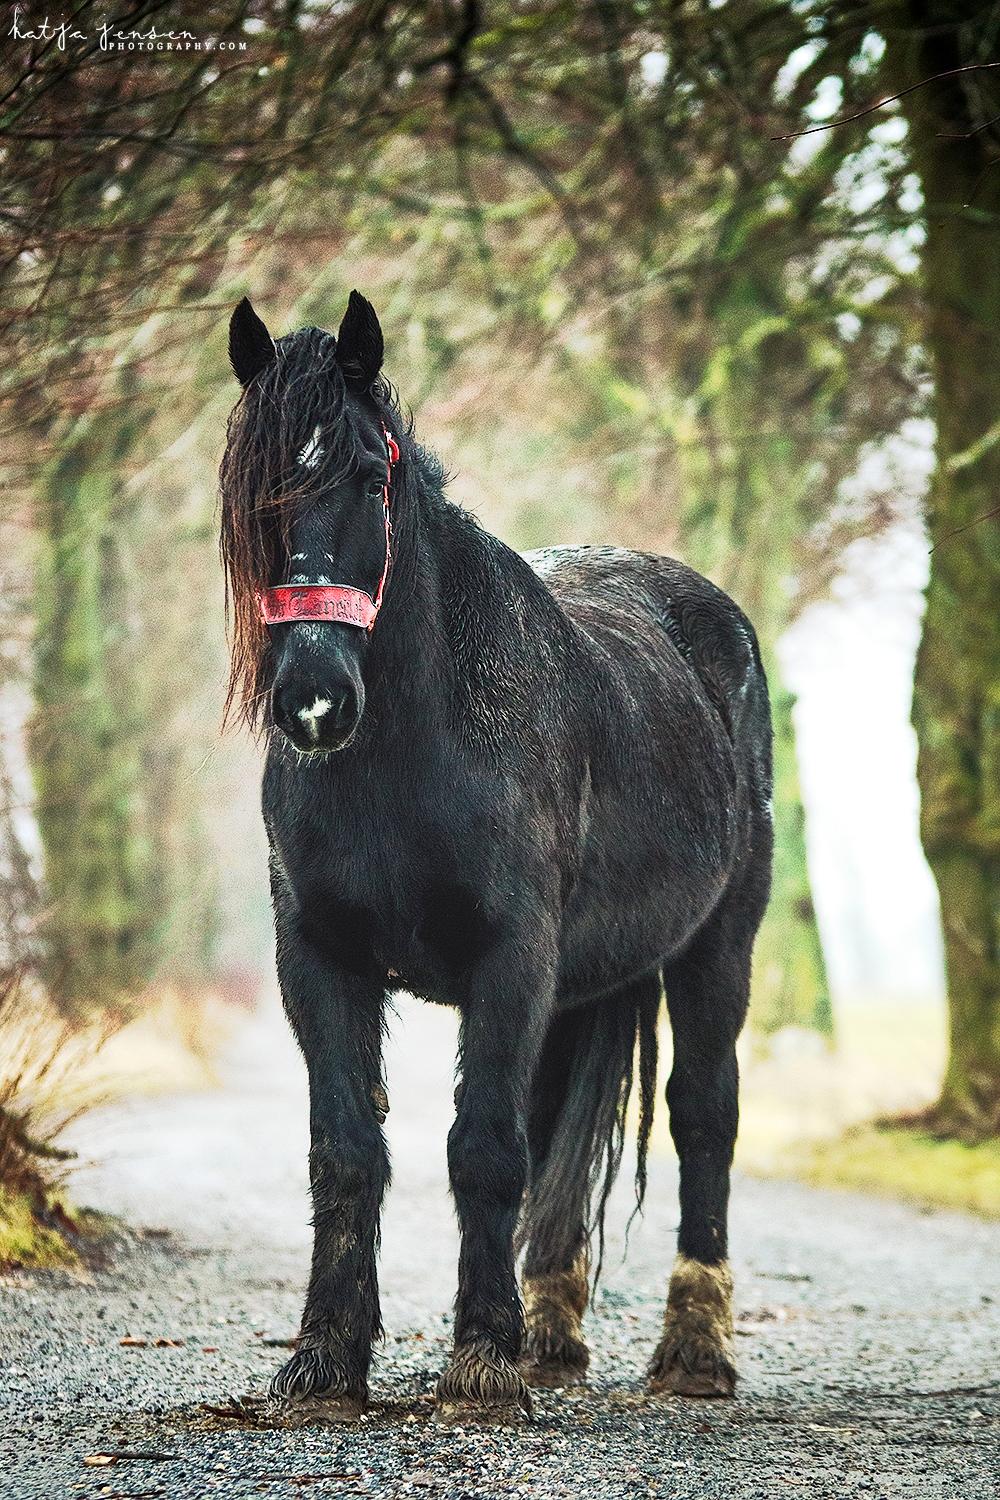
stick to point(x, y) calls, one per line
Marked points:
point(168, 1343)
point(124, 1455)
point(209, 1348)
point(130, 1343)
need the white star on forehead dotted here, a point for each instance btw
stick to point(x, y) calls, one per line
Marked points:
point(313, 450)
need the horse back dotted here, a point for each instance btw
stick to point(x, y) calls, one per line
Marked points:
point(638, 607)
point(671, 700)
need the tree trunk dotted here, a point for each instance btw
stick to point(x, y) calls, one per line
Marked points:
point(789, 976)
point(84, 750)
point(124, 719)
point(957, 689)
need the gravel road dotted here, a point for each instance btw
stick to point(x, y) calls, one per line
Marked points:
point(868, 1332)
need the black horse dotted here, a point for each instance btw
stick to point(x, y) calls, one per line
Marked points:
point(536, 789)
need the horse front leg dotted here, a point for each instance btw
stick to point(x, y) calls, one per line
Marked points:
point(337, 1019)
point(502, 1028)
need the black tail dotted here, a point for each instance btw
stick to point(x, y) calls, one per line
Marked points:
point(585, 1154)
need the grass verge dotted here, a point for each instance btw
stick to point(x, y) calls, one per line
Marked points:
point(908, 1164)
point(809, 1111)
point(831, 1116)
point(42, 1061)
point(52, 1071)
point(40, 1231)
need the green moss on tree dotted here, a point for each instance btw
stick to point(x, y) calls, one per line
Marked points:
point(96, 930)
point(957, 690)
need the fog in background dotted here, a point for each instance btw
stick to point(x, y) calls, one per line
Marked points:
point(850, 661)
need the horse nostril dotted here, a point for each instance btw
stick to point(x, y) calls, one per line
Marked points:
point(283, 710)
point(346, 711)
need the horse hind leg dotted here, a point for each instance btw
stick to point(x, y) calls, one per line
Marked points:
point(555, 1353)
point(578, 1100)
point(707, 991)
point(556, 1269)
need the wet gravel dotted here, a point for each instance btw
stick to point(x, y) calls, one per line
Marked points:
point(868, 1332)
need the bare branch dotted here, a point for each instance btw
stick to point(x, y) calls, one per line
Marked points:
point(889, 99)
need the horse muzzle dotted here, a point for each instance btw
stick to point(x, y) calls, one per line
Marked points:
point(317, 716)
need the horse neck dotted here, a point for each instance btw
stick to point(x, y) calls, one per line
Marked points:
point(408, 655)
point(452, 660)
point(441, 604)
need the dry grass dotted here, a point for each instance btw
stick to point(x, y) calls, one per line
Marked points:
point(43, 1071)
point(51, 1072)
point(46, 1082)
point(809, 1112)
point(169, 1047)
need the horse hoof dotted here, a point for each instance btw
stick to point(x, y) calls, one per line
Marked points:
point(320, 1411)
point(553, 1358)
point(554, 1354)
point(553, 1374)
point(695, 1354)
point(481, 1385)
point(692, 1367)
point(313, 1387)
point(679, 1382)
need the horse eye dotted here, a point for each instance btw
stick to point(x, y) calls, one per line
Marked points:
point(373, 489)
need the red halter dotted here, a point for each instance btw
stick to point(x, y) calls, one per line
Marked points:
point(291, 602)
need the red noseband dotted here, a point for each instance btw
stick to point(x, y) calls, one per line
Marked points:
point(291, 602)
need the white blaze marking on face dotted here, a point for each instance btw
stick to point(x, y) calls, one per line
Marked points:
point(313, 450)
point(311, 716)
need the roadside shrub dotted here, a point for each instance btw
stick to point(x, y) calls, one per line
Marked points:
point(42, 1061)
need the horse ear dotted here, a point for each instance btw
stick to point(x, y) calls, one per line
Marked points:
point(251, 347)
point(360, 346)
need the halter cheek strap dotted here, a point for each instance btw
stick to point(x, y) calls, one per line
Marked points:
point(339, 602)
